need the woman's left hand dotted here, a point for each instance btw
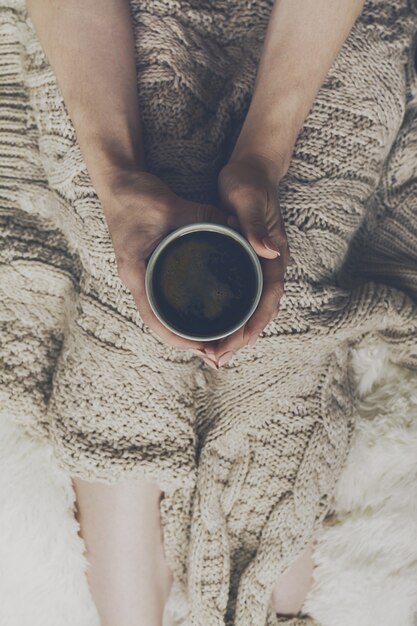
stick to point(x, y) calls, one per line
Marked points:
point(249, 193)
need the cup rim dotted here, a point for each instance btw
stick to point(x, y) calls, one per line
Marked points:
point(195, 227)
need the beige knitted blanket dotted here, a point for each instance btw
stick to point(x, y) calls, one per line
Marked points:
point(247, 456)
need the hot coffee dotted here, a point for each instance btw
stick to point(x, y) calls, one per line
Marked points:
point(203, 283)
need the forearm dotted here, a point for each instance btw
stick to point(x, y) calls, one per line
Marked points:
point(89, 44)
point(302, 40)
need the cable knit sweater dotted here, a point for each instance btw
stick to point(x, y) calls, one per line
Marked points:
point(247, 456)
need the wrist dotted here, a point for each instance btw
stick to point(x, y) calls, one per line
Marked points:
point(111, 175)
point(249, 160)
point(276, 112)
point(108, 168)
point(273, 165)
point(268, 134)
point(109, 150)
point(131, 190)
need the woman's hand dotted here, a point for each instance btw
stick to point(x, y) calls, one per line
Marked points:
point(248, 189)
point(140, 209)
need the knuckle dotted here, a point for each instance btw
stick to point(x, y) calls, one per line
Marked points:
point(282, 241)
point(126, 278)
point(128, 272)
point(264, 321)
point(274, 310)
point(146, 317)
point(286, 249)
point(257, 222)
point(123, 271)
point(274, 314)
point(278, 288)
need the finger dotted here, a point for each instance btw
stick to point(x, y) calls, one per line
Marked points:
point(272, 292)
point(134, 278)
point(210, 347)
point(209, 360)
point(203, 213)
point(231, 343)
point(212, 363)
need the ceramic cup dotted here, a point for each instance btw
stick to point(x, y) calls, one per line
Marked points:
point(203, 281)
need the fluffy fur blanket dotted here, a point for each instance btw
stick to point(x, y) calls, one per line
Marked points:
point(366, 556)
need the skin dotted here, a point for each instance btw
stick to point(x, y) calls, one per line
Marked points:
point(99, 87)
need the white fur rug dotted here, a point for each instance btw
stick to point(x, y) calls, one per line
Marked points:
point(366, 573)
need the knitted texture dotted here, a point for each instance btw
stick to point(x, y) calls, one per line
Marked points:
point(248, 456)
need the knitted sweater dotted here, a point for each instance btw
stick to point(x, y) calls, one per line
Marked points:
point(247, 456)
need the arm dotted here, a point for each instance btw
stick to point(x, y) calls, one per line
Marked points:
point(302, 40)
point(97, 79)
point(90, 47)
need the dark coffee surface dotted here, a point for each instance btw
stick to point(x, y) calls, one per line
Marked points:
point(204, 283)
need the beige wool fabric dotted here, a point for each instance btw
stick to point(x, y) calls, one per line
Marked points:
point(247, 456)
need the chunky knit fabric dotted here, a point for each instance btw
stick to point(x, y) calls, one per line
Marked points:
point(247, 456)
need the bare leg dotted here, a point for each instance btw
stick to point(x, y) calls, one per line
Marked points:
point(128, 575)
point(293, 585)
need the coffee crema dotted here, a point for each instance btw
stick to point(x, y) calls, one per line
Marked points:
point(204, 283)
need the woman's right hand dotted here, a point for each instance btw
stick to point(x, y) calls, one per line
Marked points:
point(140, 210)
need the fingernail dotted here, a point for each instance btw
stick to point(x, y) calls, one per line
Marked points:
point(225, 357)
point(268, 243)
point(252, 341)
point(211, 364)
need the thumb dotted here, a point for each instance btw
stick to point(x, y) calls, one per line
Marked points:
point(252, 223)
